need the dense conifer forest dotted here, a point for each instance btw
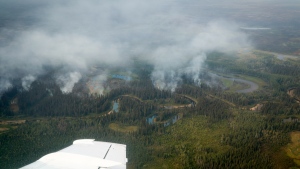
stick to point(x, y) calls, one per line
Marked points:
point(214, 126)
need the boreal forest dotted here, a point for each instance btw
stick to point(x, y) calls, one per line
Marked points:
point(206, 126)
point(181, 84)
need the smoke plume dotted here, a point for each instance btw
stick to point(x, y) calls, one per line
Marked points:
point(26, 81)
point(67, 81)
point(78, 35)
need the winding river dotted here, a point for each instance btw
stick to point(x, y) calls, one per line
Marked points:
point(252, 86)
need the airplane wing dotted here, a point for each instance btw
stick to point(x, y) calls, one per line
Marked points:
point(84, 154)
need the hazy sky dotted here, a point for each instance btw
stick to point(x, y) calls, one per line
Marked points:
point(72, 36)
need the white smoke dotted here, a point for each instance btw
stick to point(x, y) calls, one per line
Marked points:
point(4, 85)
point(165, 80)
point(195, 67)
point(220, 35)
point(96, 84)
point(171, 62)
point(26, 82)
point(78, 35)
point(67, 81)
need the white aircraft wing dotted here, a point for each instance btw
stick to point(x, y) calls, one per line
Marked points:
point(84, 154)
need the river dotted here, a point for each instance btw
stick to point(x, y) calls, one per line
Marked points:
point(252, 86)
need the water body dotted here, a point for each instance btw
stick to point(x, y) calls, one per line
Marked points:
point(254, 28)
point(284, 57)
point(116, 107)
point(116, 76)
point(172, 120)
point(252, 88)
point(150, 120)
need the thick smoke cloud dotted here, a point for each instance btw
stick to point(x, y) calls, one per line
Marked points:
point(73, 36)
point(26, 81)
point(67, 81)
point(5, 84)
point(187, 58)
